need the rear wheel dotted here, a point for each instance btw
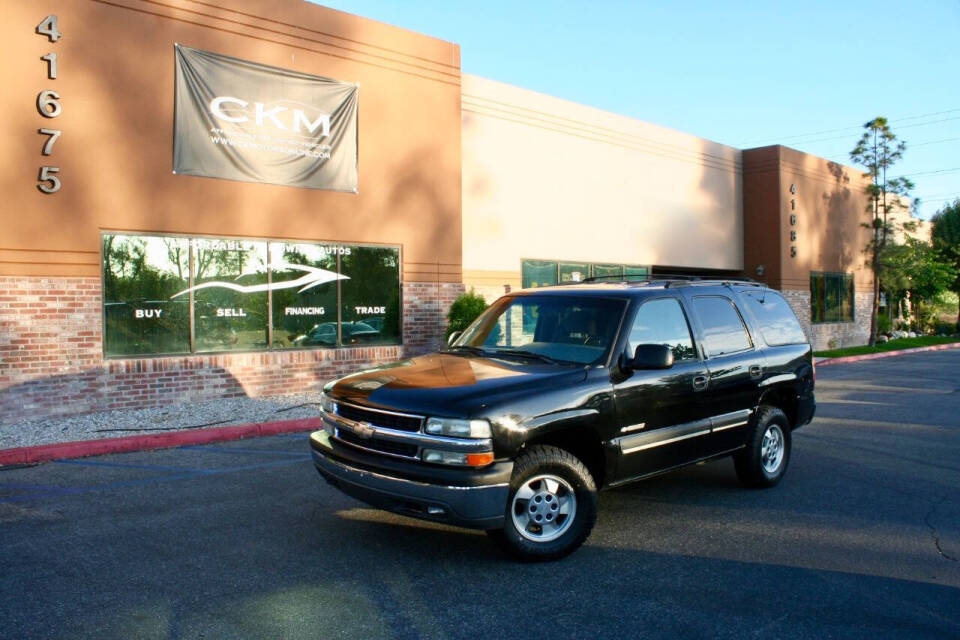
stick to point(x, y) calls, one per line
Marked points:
point(552, 505)
point(764, 460)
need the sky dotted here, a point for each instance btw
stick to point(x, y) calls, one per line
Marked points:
point(802, 74)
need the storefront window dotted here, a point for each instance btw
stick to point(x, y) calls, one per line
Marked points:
point(607, 271)
point(545, 273)
point(370, 298)
point(831, 297)
point(244, 291)
point(230, 295)
point(538, 273)
point(574, 271)
point(140, 274)
point(304, 292)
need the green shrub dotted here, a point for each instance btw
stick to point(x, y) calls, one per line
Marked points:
point(464, 310)
point(884, 324)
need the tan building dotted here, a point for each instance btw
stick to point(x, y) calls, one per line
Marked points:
point(125, 284)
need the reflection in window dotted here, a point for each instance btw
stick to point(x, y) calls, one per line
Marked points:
point(573, 271)
point(304, 278)
point(607, 271)
point(140, 274)
point(777, 322)
point(663, 322)
point(234, 286)
point(831, 297)
point(230, 295)
point(723, 328)
point(545, 273)
point(370, 298)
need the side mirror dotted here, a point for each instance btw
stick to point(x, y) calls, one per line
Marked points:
point(651, 356)
point(453, 337)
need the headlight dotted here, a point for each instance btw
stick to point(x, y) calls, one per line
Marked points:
point(327, 405)
point(456, 428)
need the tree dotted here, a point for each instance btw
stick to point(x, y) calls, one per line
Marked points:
point(464, 310)
point(946, 240)
point(878, 150)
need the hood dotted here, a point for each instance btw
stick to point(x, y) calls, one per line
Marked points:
point(443, 384)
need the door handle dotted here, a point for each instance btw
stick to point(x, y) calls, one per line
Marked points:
point(756, 371)
point(700, 383)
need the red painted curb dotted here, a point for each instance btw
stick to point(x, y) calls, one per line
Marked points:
point(887, 354)
point(84, 448)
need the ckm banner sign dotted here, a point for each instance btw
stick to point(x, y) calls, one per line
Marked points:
point(245, 121)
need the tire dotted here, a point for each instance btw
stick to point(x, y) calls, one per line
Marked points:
point(764, 460)
point(551, 508)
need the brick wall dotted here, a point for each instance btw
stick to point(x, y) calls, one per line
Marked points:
point(833, 335)
point(51, 360)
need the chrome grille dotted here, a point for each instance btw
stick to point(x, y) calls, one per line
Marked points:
point(380, 418)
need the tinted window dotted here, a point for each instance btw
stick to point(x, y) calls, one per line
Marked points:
point(663, 322)
point(566, 328)
point(140, 277)
point(230, 298)
point(831, 297)
point(777, 322)
point(723, 328)
point(371, 296)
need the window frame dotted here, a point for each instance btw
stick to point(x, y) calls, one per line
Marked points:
point(190, 237)
point(846, 286)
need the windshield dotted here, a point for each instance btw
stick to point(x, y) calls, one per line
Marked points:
point(569, 329)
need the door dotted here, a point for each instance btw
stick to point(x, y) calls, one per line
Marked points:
point(660, 424)
point(734, 366)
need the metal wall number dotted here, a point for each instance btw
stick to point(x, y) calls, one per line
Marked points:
point(48, 145)
point(48, 27)
point(51, 60)
point(48, 104)
point(46, 176)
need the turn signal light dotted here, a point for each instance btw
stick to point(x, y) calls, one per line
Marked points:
point(457, 457)
point(479, 459)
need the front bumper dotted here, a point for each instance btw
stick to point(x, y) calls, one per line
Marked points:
point(480, 506)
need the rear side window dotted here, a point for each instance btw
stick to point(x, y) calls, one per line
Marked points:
point(778, 324)
point(723, 328)
point(662, 322)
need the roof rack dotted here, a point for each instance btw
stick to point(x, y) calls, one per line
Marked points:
point(668, 279)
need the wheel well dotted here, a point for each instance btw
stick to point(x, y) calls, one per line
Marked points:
point(784, 399)
point(582, 442)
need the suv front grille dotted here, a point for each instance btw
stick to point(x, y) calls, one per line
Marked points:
point(377, 444)
point(380, 418)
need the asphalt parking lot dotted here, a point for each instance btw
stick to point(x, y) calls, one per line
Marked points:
point(243, 539)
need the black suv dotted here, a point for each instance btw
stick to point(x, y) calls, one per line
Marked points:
point(554, 393)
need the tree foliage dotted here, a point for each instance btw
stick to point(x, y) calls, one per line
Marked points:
point(877, 151)
point(464, 310)
point(946, 240)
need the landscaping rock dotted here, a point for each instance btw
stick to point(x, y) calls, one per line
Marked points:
point(882, 339)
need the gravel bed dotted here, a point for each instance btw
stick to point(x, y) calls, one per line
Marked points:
point(188, 415)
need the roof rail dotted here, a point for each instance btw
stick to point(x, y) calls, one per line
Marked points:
point(675, 279)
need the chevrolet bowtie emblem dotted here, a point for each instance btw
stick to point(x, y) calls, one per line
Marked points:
point(364, 430)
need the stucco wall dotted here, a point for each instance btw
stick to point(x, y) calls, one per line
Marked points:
point(549, 179)
point(115, 79)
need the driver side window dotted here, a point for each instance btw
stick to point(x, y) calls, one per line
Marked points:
point(663, 322)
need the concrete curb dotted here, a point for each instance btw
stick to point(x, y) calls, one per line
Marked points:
point(886, 354)
point(145, 442)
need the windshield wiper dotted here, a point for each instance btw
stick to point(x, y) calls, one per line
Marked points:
point(465, 347)
point(529, 354)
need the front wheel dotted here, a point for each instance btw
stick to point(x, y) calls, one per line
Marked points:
point(764, 460)
point(551, 508)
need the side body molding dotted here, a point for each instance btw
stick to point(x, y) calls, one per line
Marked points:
point(667, 435)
